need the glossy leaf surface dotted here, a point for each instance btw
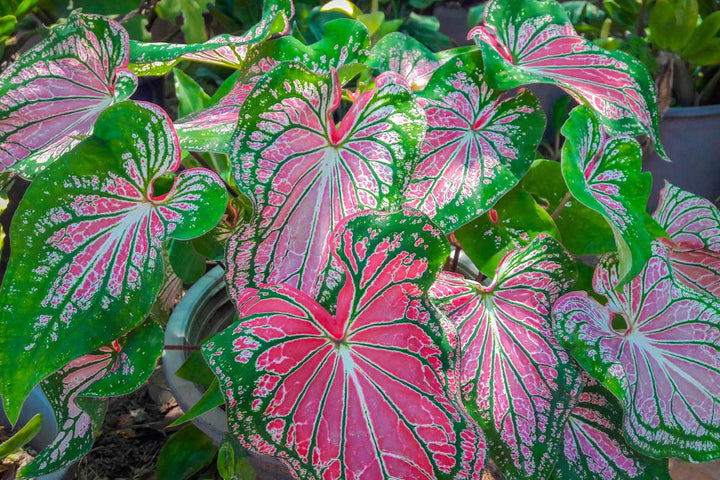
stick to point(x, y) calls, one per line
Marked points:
point(304, 173)
point(528, 41)
point(361, 393)
point(396, 52)
point(693, 224)
point(55, 91)
point(115, 369)
point(594, 447)
point(604, 174)
point(516, 381)
point(225, 50)
point(477, 146)
point(86, 244)
point(345, 41)
point(664, 367)
point(514, 221)
point(185, 453)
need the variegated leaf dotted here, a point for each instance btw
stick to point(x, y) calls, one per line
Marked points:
point(226, 50)
point(529, 41)
point(396, 52)
point(86, 265)
point(593, 446)
point(664, 367)
point(360, 394)
point(477, 147)
point(693, 224)
point(304, 173)
point(516, 381)
point(345, 41)
point(604, 174)
point(116, 369)
point(55, 91)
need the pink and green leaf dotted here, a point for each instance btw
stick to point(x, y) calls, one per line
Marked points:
point(345, 41)
point(515, 379)
point(225, 50)
point(115, 369)
point(55, 91)
point(693, 224)
point(304, 173)
point(477, 146)
point(664, 367)
point(530, 41)
point(594, 447)
point(362, 393)
point(86, 241)
point(396, 52)
point(604, 173)
point(514, 221)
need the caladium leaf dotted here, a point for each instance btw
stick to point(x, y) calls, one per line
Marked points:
point(345, 41)
point(593, 446)
point(55, 91)
point(477, 147)
point(86, 241)
point(604, 174)
point(396, 52)
point(664, 367)
point(693, 224)
point(514, 221)
point(304, 173)
point(516, 380)
point(361, 393)
point(225, 50)
point(529, 41)
point(115, 369)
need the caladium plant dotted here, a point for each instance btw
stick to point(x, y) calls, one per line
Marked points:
point(351, 163)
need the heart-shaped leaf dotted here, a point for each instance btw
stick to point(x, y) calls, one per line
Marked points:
point(693, 224)
point(516, 381)
point(477, 147)
point(116, 369)
point(594, 447)
point(514, 221)
point(529, 41)
point(396, 52)
point(663, 364)
point(225, 50)
point(358, 394)
point(55, 91)
point(86, 259)
point(304, 173)
point(604, 174)
point(345, 41)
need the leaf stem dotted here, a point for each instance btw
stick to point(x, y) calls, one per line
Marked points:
point(181, 347)
point(556, 213)
point(202, 162)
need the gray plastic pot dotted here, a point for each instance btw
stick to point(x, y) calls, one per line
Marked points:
point(691, 137)
point(204, 310)
point(36, 403)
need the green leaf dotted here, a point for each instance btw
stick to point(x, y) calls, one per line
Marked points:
point(22, 436)
point(426, 29)
point(672, 23)
point(604, 173)
point(233, 462)
point(191, 97)
point(7, 26)
point(185, 453)
point(196, 370)
point(86, 260)
point(212, 398)
point(193, 25)
point(475, 15)
point(702, 35)
point(226, 50)
point(708, 55)
point(513, 222)
point(372, 21)
point(188, 264)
